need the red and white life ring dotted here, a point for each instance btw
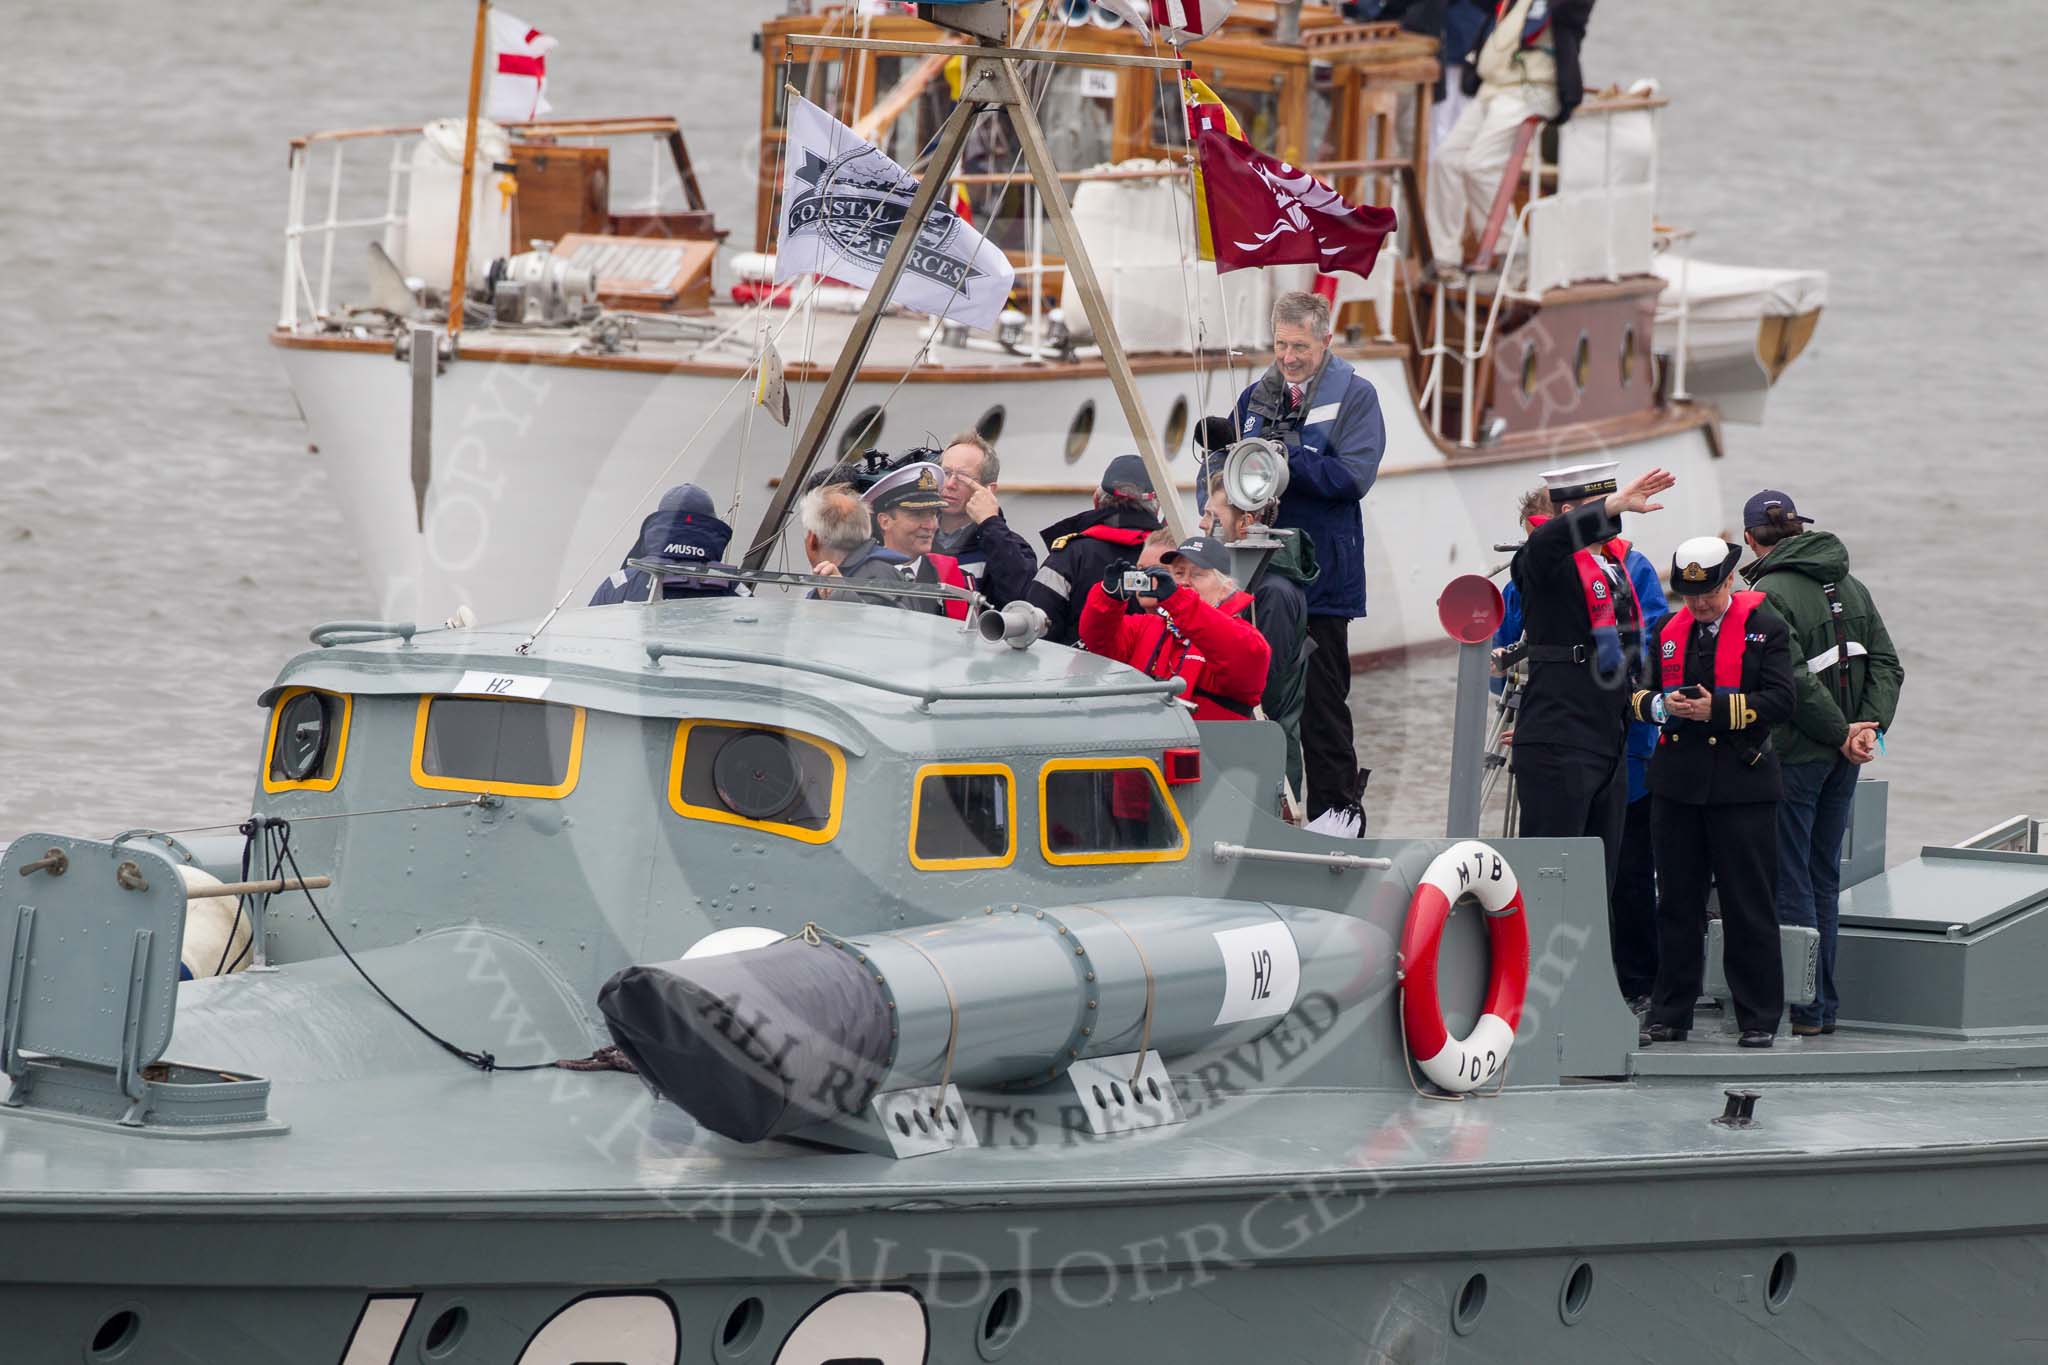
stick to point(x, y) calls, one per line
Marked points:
point(1469, 868)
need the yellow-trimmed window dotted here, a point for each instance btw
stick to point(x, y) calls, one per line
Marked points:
point(758, 776)
point(1107, 810)
point(308, 740)
point(963, 815)
point(503, 745)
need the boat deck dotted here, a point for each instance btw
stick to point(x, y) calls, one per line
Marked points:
point(445, 1138)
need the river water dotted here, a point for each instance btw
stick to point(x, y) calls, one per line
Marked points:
point(166, 537)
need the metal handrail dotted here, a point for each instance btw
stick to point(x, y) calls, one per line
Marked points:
point(1165, 688)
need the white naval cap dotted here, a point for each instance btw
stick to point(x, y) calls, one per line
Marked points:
point(1577, 481)
point(914, 487)
point(1702, 564)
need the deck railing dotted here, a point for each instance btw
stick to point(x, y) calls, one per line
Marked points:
point(1515, 276)
point(308, 294)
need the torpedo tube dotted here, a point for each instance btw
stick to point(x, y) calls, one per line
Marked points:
point(768, 1041)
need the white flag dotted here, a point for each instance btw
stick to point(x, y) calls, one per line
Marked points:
point(842, 203)
point(519, 72)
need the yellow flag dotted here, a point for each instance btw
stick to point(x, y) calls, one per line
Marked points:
point(1205, 110)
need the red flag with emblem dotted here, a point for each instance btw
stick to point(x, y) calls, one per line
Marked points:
point(1262, 211)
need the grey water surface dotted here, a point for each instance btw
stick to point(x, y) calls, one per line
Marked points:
point(166, 536)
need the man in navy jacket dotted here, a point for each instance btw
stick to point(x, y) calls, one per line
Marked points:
point(1328, 417)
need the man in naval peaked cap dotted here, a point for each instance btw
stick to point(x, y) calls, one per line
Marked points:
point(906, 502)
point(1722, 678)
point(1584, 629)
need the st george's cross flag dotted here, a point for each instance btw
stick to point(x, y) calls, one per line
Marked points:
point(843, 203)
point(1189, 20)
point(519, 70)
point(1252, 209)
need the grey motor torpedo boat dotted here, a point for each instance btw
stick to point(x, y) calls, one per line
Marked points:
point(1056, 1045)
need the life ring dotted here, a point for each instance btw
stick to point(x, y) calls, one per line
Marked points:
point(1469, 868)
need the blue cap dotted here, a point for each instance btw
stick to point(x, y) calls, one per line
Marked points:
point(1757, 511)
point(688, 498)
point(1127, 472)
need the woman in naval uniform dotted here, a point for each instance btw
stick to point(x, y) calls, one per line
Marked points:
point(1722, 665)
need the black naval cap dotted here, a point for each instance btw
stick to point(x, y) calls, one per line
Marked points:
point(1702, 564)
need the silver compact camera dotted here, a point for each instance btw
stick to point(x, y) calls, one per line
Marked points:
point(1136, 581)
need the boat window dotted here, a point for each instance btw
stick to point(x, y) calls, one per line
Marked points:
point(991, 424)
point(503, 745)
point(1529, 369)
point(963, 815)
point(308, 739)
point(1628, 355)
point(759, 776)
point(861, 433)
point(1107, 810)
point(1582, 362)
point(1176, 426)
point(1081, 429)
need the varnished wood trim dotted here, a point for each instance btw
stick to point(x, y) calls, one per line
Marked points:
point(640, 364)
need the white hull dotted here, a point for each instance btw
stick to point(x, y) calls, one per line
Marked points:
point(541, 473)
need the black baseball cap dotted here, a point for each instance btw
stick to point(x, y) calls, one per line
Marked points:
point(1757, 511)
point(1127, 471)
point(1203, 551)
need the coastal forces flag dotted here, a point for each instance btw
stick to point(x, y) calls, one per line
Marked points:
point(519, 76)
point(1252, 209)
point(843, 203)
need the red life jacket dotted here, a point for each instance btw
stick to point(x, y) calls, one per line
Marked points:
point(1597, 590)
point(1191, 664)
point(950, 573)
point(1129, 537)
point(1728, 646)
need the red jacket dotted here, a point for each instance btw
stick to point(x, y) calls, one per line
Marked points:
point(1221, 655)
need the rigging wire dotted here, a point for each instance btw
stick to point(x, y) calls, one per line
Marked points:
point(481, 1060)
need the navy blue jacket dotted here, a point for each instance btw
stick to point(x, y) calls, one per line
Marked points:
point(1334, 443)
point(682, 538)
point(1000, 561)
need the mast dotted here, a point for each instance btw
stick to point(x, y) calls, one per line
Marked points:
point(458, 285)
point(992, 81)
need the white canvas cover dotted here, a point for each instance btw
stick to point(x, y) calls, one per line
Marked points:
point(1138, 233)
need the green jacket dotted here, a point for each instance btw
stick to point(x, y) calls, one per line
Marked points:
point(1792, 577)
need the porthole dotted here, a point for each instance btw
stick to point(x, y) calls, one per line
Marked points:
point(756, 776)
point(1000, 1322)
point(1529, 370)
point(1576, 1293)
point(741, 1328)
point(1582, 362)
point(990, 424)
point(1628, 356)
point(115, 1335)
point(1176, 426)
point(308, 739)
point(864, 432)
point(1470, 1304)
point(301, 737)
point(1080, 430)
point(445, 1333)
point(1783, 1271)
